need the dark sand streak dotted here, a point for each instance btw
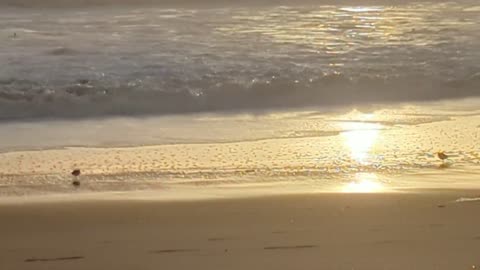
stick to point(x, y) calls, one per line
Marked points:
point(54, 259)
point(289, 247)
point(173, 250)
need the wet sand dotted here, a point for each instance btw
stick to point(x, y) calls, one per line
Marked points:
point(383, 150)
point(427, 230)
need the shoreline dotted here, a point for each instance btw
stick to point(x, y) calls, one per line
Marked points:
point(189, 195)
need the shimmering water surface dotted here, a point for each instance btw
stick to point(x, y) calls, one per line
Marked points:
point(380, 150)
point(124, 61)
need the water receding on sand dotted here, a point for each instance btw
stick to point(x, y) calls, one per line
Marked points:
point(372, 151)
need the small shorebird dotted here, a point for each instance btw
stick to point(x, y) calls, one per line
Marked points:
point(76, 173)
point(441, 155)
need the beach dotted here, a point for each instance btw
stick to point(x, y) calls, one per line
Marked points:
point(310, 134)
point(344, 190)
point(414, 230)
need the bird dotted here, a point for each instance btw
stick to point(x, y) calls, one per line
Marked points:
point(441, 155)
point(76, 173)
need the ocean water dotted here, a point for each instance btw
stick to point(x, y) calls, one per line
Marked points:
point(103, 61)
point(288, 98)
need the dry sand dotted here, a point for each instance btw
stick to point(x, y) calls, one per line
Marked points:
point(427, 230)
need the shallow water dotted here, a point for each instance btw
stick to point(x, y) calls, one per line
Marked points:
point(371, 151)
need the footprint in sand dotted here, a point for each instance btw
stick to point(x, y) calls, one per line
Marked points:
point(161, 251)
point(54, 259)
point(289, 247)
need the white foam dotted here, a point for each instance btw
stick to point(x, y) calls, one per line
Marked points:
point(461, 200)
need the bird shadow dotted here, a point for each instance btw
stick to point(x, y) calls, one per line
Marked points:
point(444, 166)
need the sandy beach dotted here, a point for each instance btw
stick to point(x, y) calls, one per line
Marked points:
point(428, 230)
point(266, 134)
point(340, 191)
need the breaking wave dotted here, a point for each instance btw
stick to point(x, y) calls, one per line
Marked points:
point(87, 63)
point(82, 98)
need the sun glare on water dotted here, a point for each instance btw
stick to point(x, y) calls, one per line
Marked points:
point(361, 9)
point(363, 183)
point(359, 138)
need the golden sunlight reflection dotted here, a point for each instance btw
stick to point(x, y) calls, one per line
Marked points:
point(363, 183)
point(362, 9)
point(339, 30)
point(360, 137)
